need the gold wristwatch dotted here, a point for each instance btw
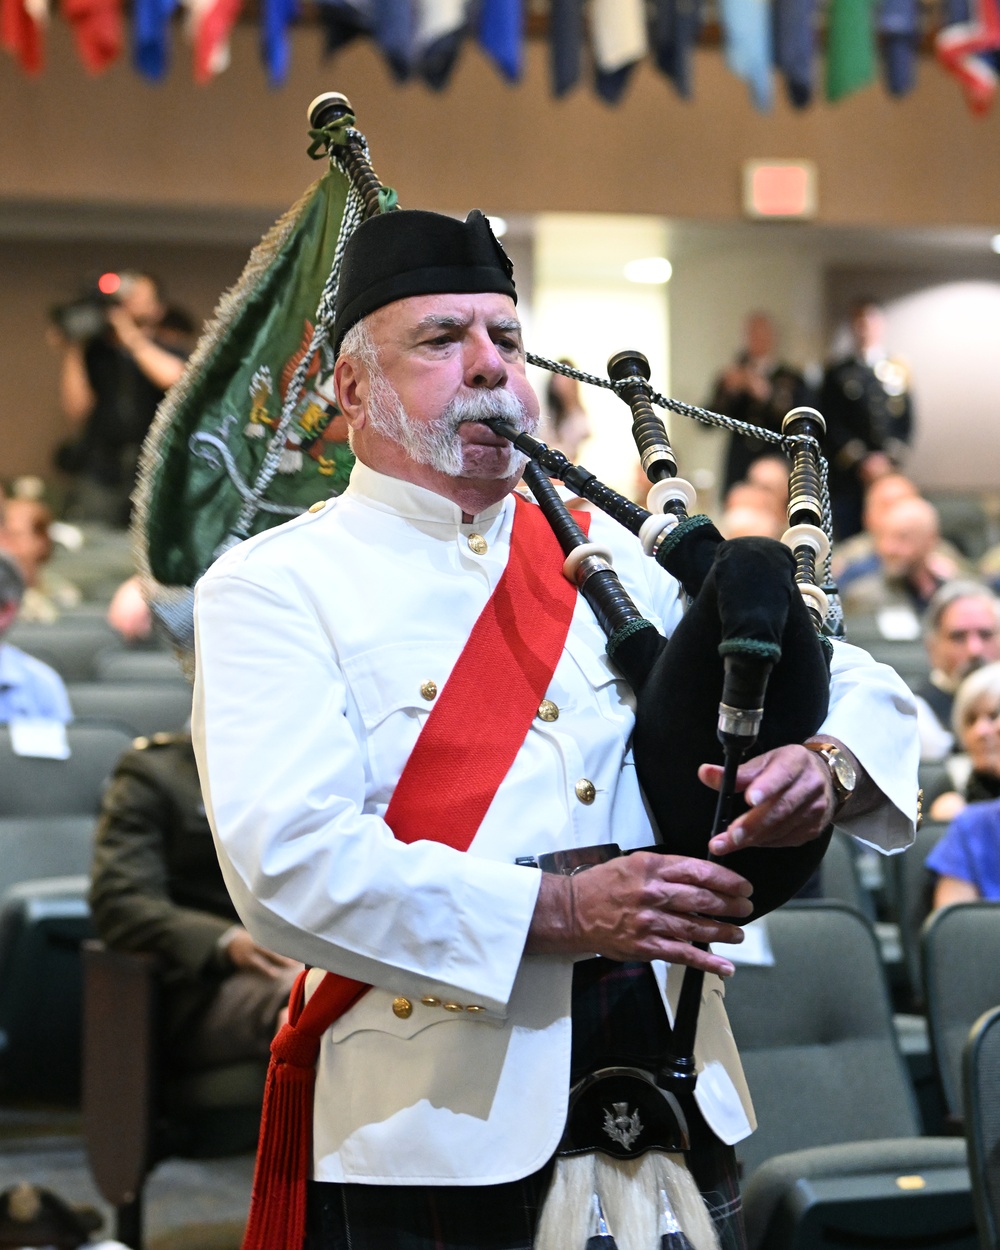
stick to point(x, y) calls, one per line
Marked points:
point(843, 774)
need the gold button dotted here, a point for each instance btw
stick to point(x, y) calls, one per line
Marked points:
point(402, 1007)
point(428, 690)
point(586, 791)
point(318, 506)
point(475, 1008)
point(478, 544)
point(547, 710)
point(453, 1007)
point(430, 1001)
point(910, 1182)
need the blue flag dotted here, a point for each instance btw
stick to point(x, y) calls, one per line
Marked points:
point(275, 19)
point(898, 22)
point(150, 43)
point(747, 27)
point(674, 31)
point(501, 33)
point(342, 21)
point(396, 33)
point(795, 47)
point(565, 44)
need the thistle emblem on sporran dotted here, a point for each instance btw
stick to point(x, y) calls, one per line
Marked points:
point(620, 1126)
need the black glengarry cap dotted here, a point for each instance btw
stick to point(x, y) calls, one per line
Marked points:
point(411, 252)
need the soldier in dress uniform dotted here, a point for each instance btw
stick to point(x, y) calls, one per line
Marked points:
point(869, 417)
point(156, 887)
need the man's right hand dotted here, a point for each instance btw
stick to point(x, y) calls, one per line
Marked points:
point(244, 952)
point(641, 907)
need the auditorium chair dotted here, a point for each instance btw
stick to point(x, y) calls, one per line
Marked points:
point(70, 787)
point(981, 1083)
point(41, 847)
point(140, 708)
point(961, 968)
point(913, 893)
point(70, 646)
point(136, 1110)
point(42, 926)
point(837, 1158)
point(146, 666)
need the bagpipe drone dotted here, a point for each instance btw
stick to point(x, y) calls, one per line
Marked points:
point(251, 436)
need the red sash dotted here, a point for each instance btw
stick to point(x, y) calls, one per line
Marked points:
point(449, 781)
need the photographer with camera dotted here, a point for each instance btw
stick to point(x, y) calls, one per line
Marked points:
point(121, 350)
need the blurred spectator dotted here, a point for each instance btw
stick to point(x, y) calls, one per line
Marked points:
point(772, 472)
point(25, 536)
point(856, 555)
point(567, 424)
point(29, 689)
point(156, 886)
point(976, 724)
point(110, 386)
point(908, 573)
point(758, 389)
point(961, 633)
point(128, 612)
point(750, 509)
point(989, 568)
point(869, 417)
point(967, 859)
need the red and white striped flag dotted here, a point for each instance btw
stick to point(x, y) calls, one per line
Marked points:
point(958, 46)
point(22, 31)
point(210, 23)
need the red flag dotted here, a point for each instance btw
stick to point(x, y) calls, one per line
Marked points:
point(97, 27)
point(22, 23)
point(211, 22)
point(958, 46)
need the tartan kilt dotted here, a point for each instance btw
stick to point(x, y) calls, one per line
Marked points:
point(618, 1018)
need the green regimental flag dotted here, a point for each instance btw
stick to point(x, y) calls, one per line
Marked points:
point(251, 436)
point(850, 47)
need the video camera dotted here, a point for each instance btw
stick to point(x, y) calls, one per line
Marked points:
point(87, 317)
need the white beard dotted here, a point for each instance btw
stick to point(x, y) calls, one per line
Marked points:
point(436, 443)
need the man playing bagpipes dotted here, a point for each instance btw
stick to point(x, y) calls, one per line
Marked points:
point(398, 696)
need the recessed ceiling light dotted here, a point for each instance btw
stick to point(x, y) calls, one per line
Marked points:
point(653, 270)
point(498, 225)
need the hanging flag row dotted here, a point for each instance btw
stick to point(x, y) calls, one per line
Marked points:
point(764, 41)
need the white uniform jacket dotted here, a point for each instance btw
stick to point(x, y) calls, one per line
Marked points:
point(315, 643)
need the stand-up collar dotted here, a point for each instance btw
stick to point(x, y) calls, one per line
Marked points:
point(414, 503)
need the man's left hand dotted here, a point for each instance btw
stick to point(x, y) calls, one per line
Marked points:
point(790, 794)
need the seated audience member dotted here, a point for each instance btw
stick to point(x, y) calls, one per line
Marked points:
point(961, 634)
point(976, 724)
point(747, 521)
point(29, 689)
point(909, 570)
point(967, 859)
point(772, 473)
point(128, 612)
point(156, 887)
point(856, 555)
point(25, 536)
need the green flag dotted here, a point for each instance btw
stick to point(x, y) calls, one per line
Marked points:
point(220, 463)
point(850, 47)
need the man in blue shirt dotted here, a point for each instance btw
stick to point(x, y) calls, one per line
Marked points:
point(28, 688)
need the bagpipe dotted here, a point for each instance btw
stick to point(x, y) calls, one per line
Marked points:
point(251, 436)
